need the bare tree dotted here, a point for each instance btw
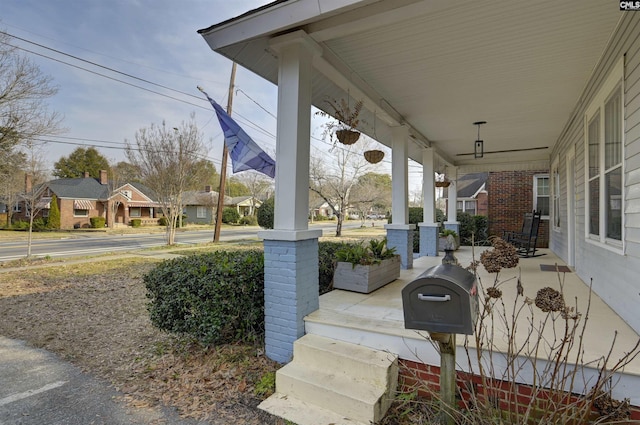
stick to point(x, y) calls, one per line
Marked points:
point(372, 193)
point(257, 183)
point(334, 183)
point(165, 157)
point(23, 89)
point(11, 186)
point(23, 115)
point(35, 187)
point(114, 182)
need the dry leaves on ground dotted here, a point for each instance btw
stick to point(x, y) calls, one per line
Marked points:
point(94, 314)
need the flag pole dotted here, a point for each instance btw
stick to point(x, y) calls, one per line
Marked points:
point(223, 167)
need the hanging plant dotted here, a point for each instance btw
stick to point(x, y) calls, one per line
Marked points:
point(443, 183)
point(374, 156)
point(344, 120)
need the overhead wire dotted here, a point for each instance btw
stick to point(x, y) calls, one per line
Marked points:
point(247, 122)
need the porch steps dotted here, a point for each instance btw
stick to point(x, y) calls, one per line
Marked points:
point(334, 382)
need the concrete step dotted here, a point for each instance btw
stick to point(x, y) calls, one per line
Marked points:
point(358, 362)
point(354, 382)
point(302, 413)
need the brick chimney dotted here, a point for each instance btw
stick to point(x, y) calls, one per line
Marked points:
point(86, 174)
point(103, 177)
point(27, 183)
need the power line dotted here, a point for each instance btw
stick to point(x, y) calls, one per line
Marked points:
point(97, 64)
point(246, 120)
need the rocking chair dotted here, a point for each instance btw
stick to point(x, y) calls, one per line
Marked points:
point(526, 239)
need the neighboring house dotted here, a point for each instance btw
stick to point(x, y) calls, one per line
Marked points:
point(80, 199)
point(200, 205)
point(504, 197)
point(472, 193)
point(134, 201)
point(514, 193)
point(245, 205)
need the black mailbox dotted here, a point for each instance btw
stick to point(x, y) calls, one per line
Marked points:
point(442, 299)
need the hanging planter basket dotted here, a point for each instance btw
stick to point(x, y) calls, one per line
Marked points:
point(374, 156)
point(443, 184)
point(347, 137)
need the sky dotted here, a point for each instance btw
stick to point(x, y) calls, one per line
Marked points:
point(153, 40)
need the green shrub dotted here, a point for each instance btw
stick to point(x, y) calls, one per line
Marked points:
point(327, 263)
point(249, 220)
point(39, 223)
point(136, 222)
point(216, 297)
point(415, 217)
point(20, 225)
point(230, 215)
point(265, 214)
point(97, 222)
point(54, 214)
point(163, 221)
point(359, 253)
point(470, 224)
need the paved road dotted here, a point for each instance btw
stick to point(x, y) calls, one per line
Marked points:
point(37, 388)
point(96, 243)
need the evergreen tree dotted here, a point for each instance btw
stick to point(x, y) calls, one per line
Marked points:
point(54, 214)
point(79, 161)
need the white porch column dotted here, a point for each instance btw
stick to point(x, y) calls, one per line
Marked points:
point(452, 201)
point(400, 232)
point(429, 227)
point(290, 249)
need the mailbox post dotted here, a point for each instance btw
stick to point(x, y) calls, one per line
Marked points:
point(444, 301)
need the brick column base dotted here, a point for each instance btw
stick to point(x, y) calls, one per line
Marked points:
point(429, 239)
point(400, 237)
point(290, 293)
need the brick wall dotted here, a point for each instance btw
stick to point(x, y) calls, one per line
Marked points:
point(510, 397)
point(290, 293)
point(510, 197)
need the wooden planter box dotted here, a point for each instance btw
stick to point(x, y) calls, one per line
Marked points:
point(366, 279)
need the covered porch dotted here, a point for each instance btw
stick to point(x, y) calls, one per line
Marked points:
point(376, 320)
point(427, 71)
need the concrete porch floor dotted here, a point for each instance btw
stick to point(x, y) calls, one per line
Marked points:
point(376, 320)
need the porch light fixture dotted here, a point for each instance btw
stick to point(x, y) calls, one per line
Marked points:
point(478, 151)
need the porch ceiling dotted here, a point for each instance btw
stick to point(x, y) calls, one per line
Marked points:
point(438, 66)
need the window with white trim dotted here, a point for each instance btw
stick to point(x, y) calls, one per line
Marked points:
point(17, 207)
point(604, 144)
point(201, 212)
point(541, 194)
point(467, 206)
point(556, 196)
point(80, 213)
point(135, 212)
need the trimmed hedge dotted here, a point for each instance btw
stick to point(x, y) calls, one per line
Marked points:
point(249, 220)
point(265, 214)
point(136, 222)
point(230, 215)
point(216, 297)
point(97, 222)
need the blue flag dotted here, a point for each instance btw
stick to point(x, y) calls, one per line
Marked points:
point(245, 153)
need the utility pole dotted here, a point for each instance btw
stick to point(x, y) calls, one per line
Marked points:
point(225, 154)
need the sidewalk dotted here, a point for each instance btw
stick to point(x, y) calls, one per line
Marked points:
point(38, 388)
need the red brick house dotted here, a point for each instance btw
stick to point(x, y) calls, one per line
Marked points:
point(504, 197)
point(80, 199)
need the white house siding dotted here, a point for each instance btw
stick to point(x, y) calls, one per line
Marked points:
point(615, 275)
